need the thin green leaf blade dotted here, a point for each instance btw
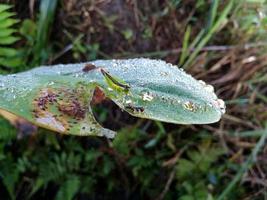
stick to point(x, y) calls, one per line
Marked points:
point(7, 51)
point(212, 30)
point(185, 50)
point(10, 61)
point(8, 40)
point(8, 22)
point(5, 15)
point(7, 32)
point(4, 7)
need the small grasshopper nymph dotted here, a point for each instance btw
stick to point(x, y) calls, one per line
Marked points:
point(133, 108)
point(115, 83)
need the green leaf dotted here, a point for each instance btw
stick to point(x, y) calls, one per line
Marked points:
point(68, 189)
point(9, 175)
point(7, 32)
point(185, 49)
point(45, 20)
point(8, 22)
point(5, 15)
point(184, 168)
point(10, 61)
point(7, 131)
point(213, 13)
point(6, 51)
point(9, 57)
point(4, 7)
point(58, 97)
point(28, 29)
point(8, 40)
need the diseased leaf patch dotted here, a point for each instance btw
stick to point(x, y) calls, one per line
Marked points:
point(60, 108)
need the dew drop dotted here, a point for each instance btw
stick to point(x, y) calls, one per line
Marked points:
point(128, 101)
point(202, 83)
point(221, 105)
point(51, 83)
point(209, 88)
point(147, 96)
point(164, 73)
point(2, 85)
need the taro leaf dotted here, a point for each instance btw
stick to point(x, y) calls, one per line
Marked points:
point(58, 97)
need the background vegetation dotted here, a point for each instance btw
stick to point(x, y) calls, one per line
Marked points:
point(220, 42)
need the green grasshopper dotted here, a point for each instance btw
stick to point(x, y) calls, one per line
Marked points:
point(58, 97)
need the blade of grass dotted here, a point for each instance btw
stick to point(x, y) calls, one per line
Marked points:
point(212, 14)
point(255, 133)
point(185, 49)
point(197, 39)
point(244, 168)
point(163, 53)
point(47, 12)
point(259, 79)
point(161, 132)
point(240, 101)
point(210, 33)
point(258, 94)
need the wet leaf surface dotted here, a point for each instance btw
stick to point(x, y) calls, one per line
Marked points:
point(58, 97)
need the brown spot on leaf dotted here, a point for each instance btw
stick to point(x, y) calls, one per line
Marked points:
point(88, 67)
point(43, 113)
point(73, 109)
point(98, 96)
point(46, 96)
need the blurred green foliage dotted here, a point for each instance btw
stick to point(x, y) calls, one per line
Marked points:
point(72, 167)
point(9, 56)
point(36, 48)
